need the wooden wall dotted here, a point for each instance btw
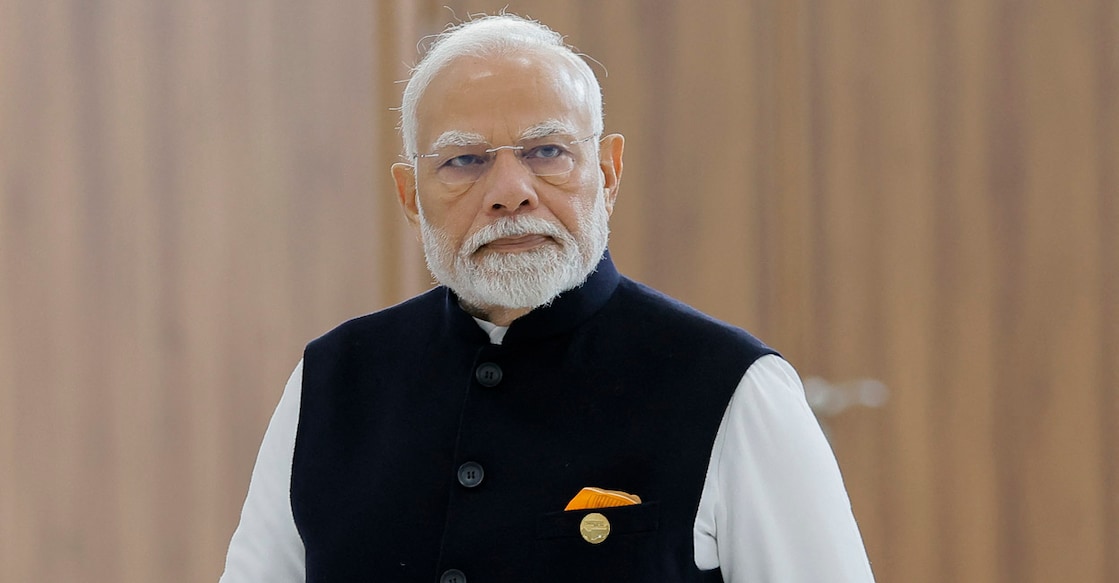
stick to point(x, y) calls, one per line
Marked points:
point(920, 192)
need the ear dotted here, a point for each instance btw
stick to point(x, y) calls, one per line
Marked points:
point(610, 161)
point(404, 175)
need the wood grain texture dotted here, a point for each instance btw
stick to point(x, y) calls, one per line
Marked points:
point(924, 193)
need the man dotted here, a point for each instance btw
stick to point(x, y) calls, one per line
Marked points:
point(537, 417)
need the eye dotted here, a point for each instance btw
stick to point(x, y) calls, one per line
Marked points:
point(546, 151)
point(465, 160)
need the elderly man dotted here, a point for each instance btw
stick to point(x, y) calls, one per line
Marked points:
point(538, 417)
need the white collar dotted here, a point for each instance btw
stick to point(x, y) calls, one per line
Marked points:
point(497, 333)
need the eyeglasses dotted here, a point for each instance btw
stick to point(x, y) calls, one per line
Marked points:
point(545, 157)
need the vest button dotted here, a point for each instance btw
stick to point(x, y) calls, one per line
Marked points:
point(453, 576)
point(488, 374)
point(470, 475)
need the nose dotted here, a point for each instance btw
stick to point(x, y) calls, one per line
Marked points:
point(510, 186)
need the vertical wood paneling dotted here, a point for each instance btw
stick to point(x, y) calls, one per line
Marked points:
point(794, 278)
point(627, 73)
point(1015, 386)
point(847, 338)
point(397, 27)
point(10, 501)
point(922, 193)
point(1061, 476)
point(185, 194)
point(1106, 17)
point(963, 376)
point(905, 227)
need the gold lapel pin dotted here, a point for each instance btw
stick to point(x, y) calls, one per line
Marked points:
point(594, 528)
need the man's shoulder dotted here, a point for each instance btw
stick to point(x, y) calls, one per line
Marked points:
point(655, 312)
point(411, 314)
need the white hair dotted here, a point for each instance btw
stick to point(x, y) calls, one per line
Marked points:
point(490, 36)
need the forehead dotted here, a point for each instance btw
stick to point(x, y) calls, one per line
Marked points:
point(500, 98)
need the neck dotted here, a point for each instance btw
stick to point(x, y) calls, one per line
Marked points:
point(495, 314)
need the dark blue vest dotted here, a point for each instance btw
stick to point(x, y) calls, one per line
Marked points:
point(424, 449)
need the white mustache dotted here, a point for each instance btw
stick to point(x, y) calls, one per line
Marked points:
point(515, 227)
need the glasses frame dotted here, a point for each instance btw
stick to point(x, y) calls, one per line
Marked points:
point(513, 147)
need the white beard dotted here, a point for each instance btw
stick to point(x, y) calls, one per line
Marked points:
point(526, 279)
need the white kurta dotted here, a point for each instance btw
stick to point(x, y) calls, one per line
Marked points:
point(773, 507)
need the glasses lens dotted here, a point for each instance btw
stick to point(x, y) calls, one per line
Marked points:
point(548, 160)
point(460, 165)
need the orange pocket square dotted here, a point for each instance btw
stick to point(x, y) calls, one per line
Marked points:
point(589, 498)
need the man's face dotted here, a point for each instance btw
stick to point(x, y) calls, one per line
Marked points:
point(507, 237)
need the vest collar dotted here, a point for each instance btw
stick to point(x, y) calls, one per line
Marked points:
point(565, 313)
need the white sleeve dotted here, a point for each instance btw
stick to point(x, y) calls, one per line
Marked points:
point(266, 545)
point(774, 507)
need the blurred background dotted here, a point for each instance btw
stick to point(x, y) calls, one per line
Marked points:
point(915, 195)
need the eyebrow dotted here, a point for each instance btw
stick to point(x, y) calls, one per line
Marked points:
point(541, 130)
point(458, 138)
point(547, 128)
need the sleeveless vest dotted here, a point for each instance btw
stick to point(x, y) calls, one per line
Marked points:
point(425, 453)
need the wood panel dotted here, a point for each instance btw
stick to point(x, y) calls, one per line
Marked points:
point(1106, 36)
point(964, 408)
point(923, 193)
point(188, 195)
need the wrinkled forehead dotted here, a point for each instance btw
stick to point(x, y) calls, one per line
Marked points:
point(503, 99)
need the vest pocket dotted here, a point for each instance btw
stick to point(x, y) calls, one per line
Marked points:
point(626, 553)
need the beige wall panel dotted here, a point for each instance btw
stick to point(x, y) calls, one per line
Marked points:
point(847, 335)
point(963, 377)
point(620, 39)
point(157, 161)
point(1061, 473)
point(792, 283)
point(396, 28)
point(1107, 82)
point(907, 246)
point(723, 156)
